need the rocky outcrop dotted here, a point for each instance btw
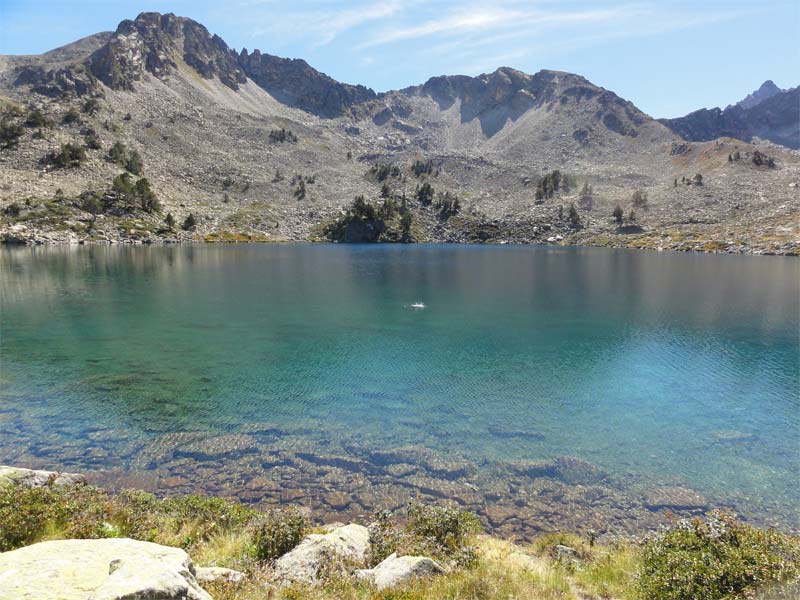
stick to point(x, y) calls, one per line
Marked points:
point(395, 570)
point(296, 83)
point(344, 545)
point(104, 569)
point(154, 43)
point(33, 478)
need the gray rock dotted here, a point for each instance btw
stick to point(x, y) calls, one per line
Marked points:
point(104, 569)
point(304, 564)
point(33, 478)
point(208, 574)
point(395, 570)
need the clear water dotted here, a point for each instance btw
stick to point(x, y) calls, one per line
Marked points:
point(643, 363)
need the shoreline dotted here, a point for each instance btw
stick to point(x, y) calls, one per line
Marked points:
point(38, 242)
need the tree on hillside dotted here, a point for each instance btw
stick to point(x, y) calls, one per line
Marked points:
point(617, 214)
point(639, 199)
point(574, 216)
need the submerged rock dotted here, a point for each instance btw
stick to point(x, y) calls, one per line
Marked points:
point(674, 497)
point(395, 570)
point(104, 569)
point(569, 469)
point(318, 552)
point(223, 446)
point(33, 478)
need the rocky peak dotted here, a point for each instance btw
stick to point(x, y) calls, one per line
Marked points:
point(515, 92)
point(155, 43)
point(767, 90)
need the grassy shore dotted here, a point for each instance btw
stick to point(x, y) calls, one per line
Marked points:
point(718, 557)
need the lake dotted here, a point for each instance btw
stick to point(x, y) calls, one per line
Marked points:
point(542, 387)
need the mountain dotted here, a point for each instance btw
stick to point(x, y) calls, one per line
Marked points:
point(255, 146)
point(767, 90)
point(769, 113)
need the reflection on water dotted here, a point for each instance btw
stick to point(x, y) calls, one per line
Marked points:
point(665, 371)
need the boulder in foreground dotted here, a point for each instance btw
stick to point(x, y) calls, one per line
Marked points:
point(103, 569)
point(395, 570)
point(347, 545)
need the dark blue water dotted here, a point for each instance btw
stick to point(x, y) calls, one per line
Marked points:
point(659, 367)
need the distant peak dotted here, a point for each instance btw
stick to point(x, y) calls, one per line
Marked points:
point(768, 89)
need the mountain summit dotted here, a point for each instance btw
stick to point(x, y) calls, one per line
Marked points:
point(767, 90)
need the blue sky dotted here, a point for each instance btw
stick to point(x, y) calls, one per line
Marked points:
point(668, 57)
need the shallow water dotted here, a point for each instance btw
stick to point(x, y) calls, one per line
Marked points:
point(661, 369)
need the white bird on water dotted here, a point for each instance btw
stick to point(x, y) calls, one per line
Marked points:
point(418, 305)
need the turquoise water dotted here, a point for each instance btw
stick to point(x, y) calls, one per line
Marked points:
point(661, 368)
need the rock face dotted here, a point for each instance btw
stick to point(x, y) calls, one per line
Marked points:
point(154, 43)
point(395, 570)
point(347, 544)
point(105, 569)
point(32, 478)
point(296, 83)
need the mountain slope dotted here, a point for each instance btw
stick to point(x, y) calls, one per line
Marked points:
point(255, 145)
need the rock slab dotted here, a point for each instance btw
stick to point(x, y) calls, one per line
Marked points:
point(104, 569)
point(33, 478)
point(395, 570)
point(347, 544)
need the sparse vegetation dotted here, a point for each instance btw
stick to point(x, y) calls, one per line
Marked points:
point(279, 136)
point(68, 156)
point(574, 215)
point(618, 214)
point(424, 193)
point(71, 116)
point(91, 106)
point(420, 167)
point(639, 199)
point(382, 172)
point(36, 118)
point(552, 183)
point(447, 204)
point(760, 159)
point(10, 132)
point(586, 197)
point(128, 158)
point(189, 223)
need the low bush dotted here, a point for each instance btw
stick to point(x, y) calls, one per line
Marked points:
point(718, 558)
point(277, 531)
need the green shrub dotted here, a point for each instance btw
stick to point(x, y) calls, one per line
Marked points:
point(36, 118)
point(10, 133)
point(715, 559)
point(68, 156)
point(277, 531)
point(444, 529)
point(189, 223)
point(71, 116)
